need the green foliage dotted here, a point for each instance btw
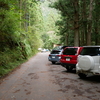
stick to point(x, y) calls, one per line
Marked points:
point(9, 25)
point(49, 33)
point(20, 38)
point(9, 60)
point(67, 22)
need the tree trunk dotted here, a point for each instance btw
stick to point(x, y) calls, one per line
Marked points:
point(20, 7)
point(26, 16)
point(84, 24)
point(76, 23)
point(90, 23)
point(96, 23)
point(66, 39)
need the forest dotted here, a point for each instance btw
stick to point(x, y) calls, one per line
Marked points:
point(27, 25)
point(80, 21)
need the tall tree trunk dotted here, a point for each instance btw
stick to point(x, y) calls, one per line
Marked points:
point(20, 7)
point(76, 23)
point(26, 15)
point(90, 23)
point(96, 22)
point(66, 39)
point(84, 19)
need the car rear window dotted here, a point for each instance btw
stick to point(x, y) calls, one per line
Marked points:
point(92, 51)
point(55, 52)
point(70, 51)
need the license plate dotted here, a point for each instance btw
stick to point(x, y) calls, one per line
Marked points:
point(67, 59)
point(53, 57)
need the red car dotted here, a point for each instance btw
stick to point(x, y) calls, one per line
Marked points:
point(69, 57)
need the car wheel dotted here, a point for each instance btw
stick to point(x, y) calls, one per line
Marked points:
point(69, 68)
point(53, 62)
point(81, 75)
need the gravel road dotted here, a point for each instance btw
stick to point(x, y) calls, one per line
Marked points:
point(39, 79)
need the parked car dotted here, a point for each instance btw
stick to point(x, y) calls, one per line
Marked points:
point(55, 54)
point(44, 50)
point(69, 57)
point(88, 61)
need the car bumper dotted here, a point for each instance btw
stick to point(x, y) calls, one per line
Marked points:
point(90, 71)
point(67, 64)
point(56, 60)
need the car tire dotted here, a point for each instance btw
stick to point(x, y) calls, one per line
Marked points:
point(53, 62)
point(69, 68)
point(82, 76)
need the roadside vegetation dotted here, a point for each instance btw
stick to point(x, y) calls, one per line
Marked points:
point(20, 28)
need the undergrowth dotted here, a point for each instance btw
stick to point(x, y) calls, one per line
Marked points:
point(10, 59)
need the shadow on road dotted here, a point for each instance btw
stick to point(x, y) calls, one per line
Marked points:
point(92, 79)
point(89, 78)
point(56, 64)
point(73, 71)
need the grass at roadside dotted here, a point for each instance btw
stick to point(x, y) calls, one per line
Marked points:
point(11, 59)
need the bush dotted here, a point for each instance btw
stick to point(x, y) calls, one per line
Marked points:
point(10, 59)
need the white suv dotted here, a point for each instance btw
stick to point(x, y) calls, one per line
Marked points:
point(88, 61)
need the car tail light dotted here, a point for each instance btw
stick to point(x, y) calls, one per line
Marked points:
point(59, 55)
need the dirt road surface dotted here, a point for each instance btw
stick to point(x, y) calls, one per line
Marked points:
point(38, 79)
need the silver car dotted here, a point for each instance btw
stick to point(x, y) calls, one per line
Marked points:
point(55, 54)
